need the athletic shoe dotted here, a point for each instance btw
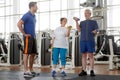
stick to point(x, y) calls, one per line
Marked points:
point(34, 73)
point(63, 73)
point(83, 73)
point(92, 73)
point(28, 75)
point(53, 73)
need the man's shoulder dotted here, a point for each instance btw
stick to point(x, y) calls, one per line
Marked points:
point(93, 20)
point(82, 21)
point(26, 14)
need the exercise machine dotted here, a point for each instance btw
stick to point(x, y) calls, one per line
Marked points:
point(108, 49)
point(73, 56)
point(3, 51)
point(11, 53)
point(43, 44)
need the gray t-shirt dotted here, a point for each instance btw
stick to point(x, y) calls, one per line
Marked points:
point(60, 37)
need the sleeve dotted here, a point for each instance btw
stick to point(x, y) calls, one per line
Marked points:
point(24, 18)
point(96, 26)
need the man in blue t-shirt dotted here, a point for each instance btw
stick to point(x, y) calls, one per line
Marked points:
point(27, 27)
point(88, 29)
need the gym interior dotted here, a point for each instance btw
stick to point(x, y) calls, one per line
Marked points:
point(49, 12)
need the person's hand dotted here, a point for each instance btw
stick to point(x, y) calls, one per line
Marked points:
point(27, 35)
point(75, 18)
point(94, 31)
point(69, 27)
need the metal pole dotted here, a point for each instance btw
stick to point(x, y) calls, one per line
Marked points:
point(73, 49)
point(4, 19)
point(111, 55)
point(105, 15)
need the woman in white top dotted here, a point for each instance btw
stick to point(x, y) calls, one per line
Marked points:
point(60, 46)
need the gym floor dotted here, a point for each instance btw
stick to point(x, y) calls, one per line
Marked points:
point(44, 73)
point(99, 69)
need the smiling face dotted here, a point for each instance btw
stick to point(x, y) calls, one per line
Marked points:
point(63, 21)
point(87, 14)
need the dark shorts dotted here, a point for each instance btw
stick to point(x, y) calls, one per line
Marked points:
point(30, 45)
point(87, 46)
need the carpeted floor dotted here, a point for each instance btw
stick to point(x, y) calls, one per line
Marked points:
point(12, 75)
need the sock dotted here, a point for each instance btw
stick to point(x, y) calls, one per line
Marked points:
point(84, 69)
point(62, 70)
point(27, 72)
point(54, 69)
point(91, 69)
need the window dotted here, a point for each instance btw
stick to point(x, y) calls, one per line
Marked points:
point(44, 21)
point(113, 18)
point(50, 12)
point(2, 25)
point(113, 13)
point(45, 4)
point(71, 14)
point(64, 4)
point(73, 4)
point(2, 11)
point(54, 20)
point(54, 5)
point(63, 14)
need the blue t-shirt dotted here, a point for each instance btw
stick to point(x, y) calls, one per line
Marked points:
point(29, 23)
point(87, 26)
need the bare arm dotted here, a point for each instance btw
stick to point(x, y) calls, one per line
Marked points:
point(68, 31)
point(94, 31)
point(77, 25)
point(53, 39)
point(20, 26)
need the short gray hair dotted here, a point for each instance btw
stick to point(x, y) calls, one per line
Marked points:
point(88, 10)
point(32, 4)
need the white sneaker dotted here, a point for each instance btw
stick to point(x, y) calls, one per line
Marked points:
point(28, 74)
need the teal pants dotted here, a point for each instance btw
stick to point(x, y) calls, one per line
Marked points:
point(62, 52)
